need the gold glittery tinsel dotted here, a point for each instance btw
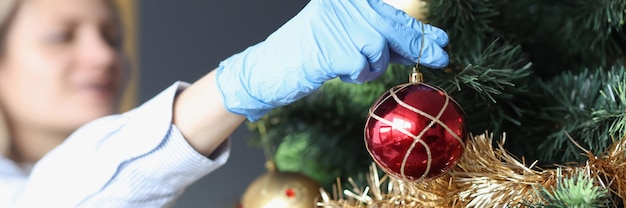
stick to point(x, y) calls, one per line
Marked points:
point(484, 177)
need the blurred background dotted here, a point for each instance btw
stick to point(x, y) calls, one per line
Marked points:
point(185, 39)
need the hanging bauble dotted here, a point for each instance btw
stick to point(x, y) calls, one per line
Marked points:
point(277, 189)
point(415, 131)
point(415, 8)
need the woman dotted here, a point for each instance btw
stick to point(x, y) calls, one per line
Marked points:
point(60, 73)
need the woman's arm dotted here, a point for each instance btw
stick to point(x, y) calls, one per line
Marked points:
point(200, 115)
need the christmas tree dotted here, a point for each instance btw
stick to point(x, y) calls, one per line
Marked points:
point(547, 74)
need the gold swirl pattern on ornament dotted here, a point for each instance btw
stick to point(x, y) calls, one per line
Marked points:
point(392, 93)
point(385, 121)
point(417, 138)
point(448, 99)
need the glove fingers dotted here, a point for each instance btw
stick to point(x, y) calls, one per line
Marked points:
point(404, 34)
point(398, 59)
point(387, 11)
point(378, 57)
point(371, 66)
point(433, 56)
point(409, 43)
point(372, 56)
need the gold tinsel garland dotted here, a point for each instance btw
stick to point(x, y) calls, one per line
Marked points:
point(484, 177)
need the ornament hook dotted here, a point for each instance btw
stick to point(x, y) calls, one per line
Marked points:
point(416, 77)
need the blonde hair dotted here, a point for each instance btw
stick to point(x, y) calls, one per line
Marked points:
point(7, 9)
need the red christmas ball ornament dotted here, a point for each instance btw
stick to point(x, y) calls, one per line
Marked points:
point(415, 131)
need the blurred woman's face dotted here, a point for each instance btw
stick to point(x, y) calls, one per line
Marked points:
point(61, 66)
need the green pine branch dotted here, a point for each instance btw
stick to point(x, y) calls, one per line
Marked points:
point(612, 113)
point(468, 22)
point(565, 35)
point(604, 19)
point(588, 107)
point(487, 83)
point(576, 191)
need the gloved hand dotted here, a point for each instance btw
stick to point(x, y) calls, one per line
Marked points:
point(349, 39)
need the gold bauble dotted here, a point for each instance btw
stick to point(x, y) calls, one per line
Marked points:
point(277, 189)
point(414, 8)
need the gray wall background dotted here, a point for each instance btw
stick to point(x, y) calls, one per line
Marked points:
point(185, 39)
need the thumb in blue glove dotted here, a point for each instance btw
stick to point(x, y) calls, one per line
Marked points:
point(354, 40)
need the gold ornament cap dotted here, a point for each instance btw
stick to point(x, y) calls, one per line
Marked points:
point(276, 189)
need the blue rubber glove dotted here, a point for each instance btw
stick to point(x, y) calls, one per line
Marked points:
point(354, 40)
